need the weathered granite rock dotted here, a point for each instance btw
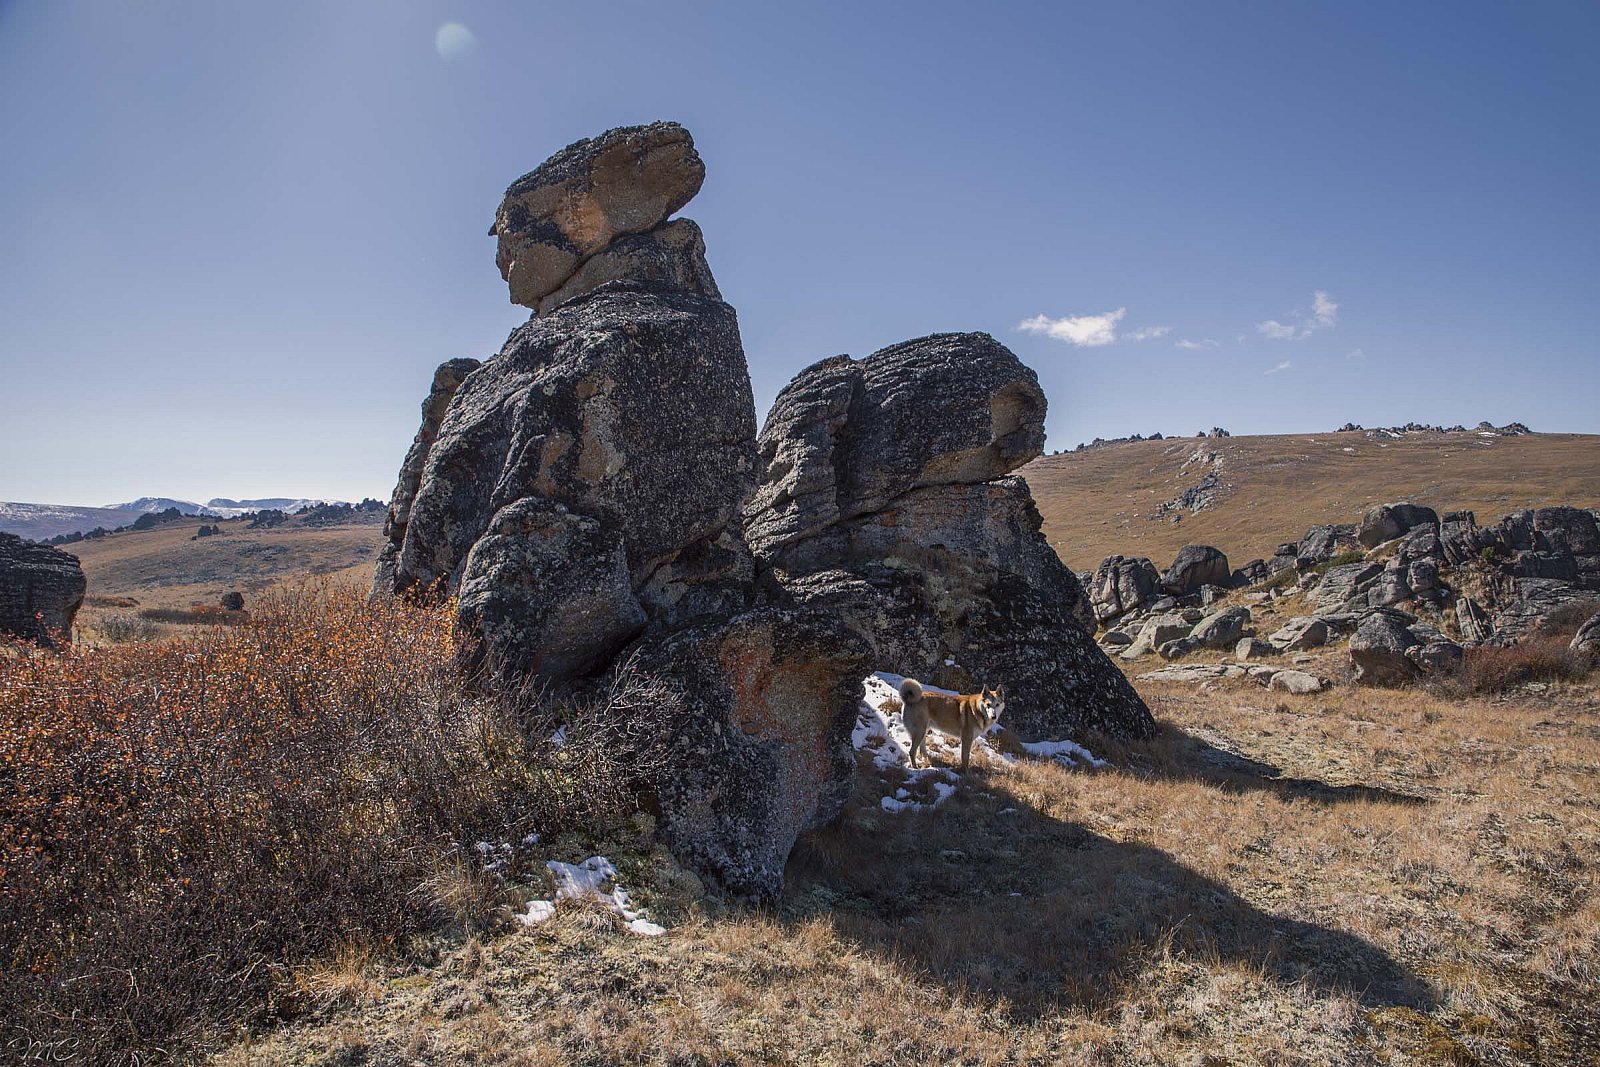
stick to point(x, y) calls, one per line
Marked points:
point(757, 741)
point(1223, 629)
point(1250, 648)
point(1438, 656)
point(1253, 573)
point(1156, 631)
point(1571, 528)
point(884, 499)
point(630, 408)
point(1299, 682)
point(1473, 622)
point(1195, 565)
point(1378, 650)
point(1322, 543)
point(847, 437)
point(446, 380)
point(1586, 642)
point(233, 601)
point(1121, 585)
point(671, 256)
point(1299, 634)
point(1388, 521)
point(41, 589)
point(627, 180)
point(1343, 583)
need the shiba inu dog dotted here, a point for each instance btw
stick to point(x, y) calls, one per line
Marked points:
point(964, 715)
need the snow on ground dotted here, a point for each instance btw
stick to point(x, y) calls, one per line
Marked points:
point(575, 881)
point(880, 729)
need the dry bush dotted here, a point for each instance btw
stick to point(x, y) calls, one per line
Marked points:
point(1540, 658)
point(200, 615)
point(125, 626)
point(182, 823)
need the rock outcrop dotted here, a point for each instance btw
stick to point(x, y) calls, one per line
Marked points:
point(592, 494)
point(1378, 650)
point(1195, 566)
point(1586, 642)
point(41, 589)
point(1121, 585)
point(885, 499)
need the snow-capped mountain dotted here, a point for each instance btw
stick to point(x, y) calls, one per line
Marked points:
point(40, 521)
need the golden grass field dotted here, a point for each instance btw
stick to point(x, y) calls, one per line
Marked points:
point(1103, 501)
point(1353, 877)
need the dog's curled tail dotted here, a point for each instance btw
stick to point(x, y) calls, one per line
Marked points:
point(910, 691)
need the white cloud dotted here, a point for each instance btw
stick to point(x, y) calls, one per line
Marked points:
point(453, 41)
point(1324, 315)
point(1285, 365)
point(1356, 353)
point(1086, 331)
point(1196, 346)
point(1145, 333)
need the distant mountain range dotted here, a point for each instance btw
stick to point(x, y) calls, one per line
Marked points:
point(40, 521)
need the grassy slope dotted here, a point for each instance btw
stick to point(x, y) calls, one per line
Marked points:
point(1103, 501)
point(165, 568)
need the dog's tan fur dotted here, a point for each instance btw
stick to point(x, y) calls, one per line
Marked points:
point(964, 715)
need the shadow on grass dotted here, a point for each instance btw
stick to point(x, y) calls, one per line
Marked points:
point(1176, 755)
point(1048, 914)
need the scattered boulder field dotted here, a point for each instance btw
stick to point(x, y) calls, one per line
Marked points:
point(597, 498)
point(1411, 591)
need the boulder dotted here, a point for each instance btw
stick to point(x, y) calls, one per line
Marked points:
point(1223, 629)
point(1342, 584)
point(1322, 543)
point(1586, 642)
point(1438, 656)
point(1250, 648)
point(626, 181)
point(1156, 631)
point(1378, 650)
point(1388, 521)
point(1253, 573)
point(1299, 634)
point(847, 437)
point(1293, 681)
point(41, 590)
point(909, 528)
point(1195, 566)
point(1120, 585)
point(233, 601)
point(1573, 528)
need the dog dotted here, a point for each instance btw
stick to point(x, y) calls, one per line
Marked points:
point(964, 715)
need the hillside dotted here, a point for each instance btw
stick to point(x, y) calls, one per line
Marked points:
point(167, 568)
point(1269, 489)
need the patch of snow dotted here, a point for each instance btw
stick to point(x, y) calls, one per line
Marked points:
point(1067, 752)
point(559, 738)
point(587, 879)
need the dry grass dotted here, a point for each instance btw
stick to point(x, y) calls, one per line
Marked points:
point(1274, 487)
point(1352, 877)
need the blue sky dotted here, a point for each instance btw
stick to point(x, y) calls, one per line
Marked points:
point(235, 239)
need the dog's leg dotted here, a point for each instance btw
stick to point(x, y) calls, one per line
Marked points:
point(919, 739)
point(966, 746)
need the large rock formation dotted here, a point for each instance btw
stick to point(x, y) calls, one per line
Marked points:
point(592, 493)
point(884, 499)
point(41, 589)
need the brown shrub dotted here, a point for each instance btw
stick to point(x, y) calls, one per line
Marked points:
point(181, 823)
point(1542, 658)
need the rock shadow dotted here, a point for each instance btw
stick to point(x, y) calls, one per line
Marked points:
point(991, 896)
point(1177, 755)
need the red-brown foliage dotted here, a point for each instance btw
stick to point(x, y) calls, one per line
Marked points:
point(181, 821)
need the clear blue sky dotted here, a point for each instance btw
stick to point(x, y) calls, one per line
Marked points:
point(236, 238)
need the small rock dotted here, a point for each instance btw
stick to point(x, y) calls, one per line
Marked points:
point(1378, 650)
point(233, 601)
point(1250, 648)
point(1296, 682)
point(1300, 633)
